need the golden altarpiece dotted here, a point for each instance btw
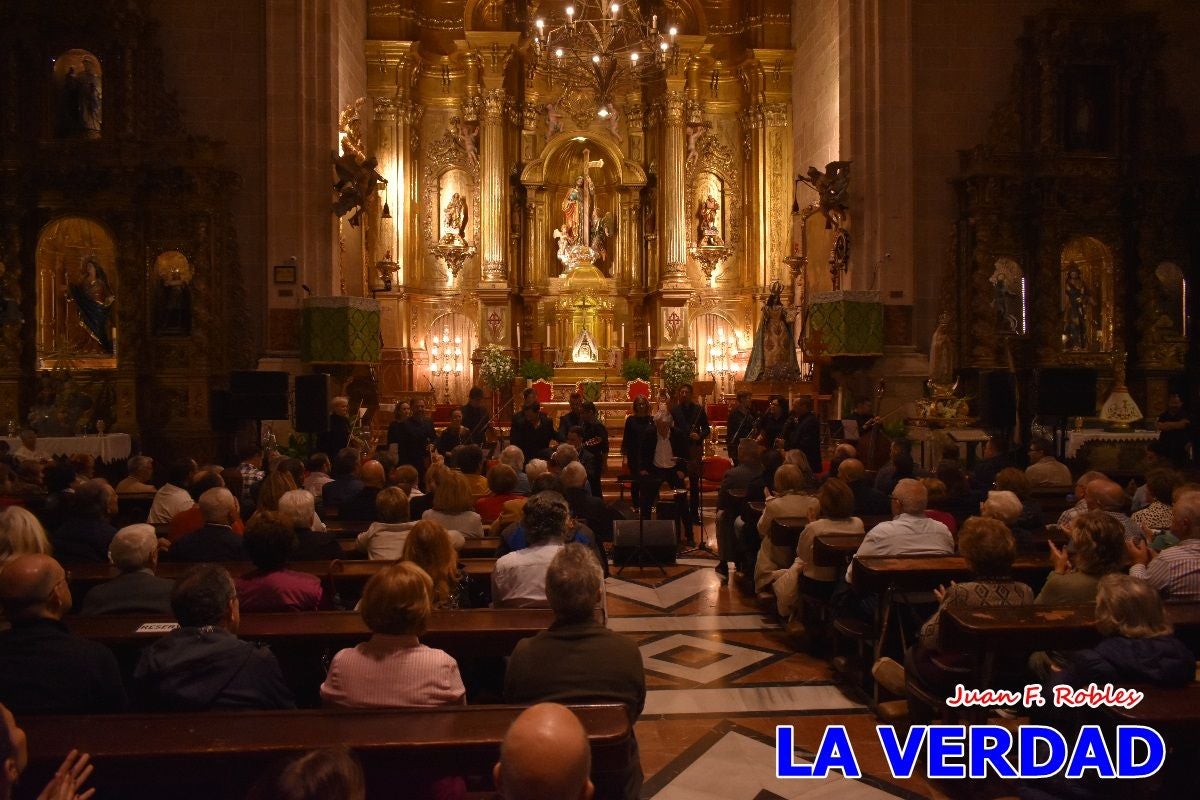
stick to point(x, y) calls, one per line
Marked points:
point(562, 226)
point(1074, 237)
point(120, 286)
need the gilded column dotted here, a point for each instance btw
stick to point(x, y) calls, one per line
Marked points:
point(492, 203)
point(766, 124)
point(674, 227)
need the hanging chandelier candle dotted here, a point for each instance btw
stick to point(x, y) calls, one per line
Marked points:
point(601, 46)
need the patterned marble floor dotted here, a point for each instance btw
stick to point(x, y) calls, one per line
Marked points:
point(720, 677)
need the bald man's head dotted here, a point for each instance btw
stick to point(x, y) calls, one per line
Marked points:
point(371, 474)
point(851, 470)
point(545, 754)
point(34, 587)
point(1105, 495)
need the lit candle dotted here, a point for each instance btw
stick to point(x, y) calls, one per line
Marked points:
point(622, 334)
point(647, 335)
point(518, 337)
point(547, 335)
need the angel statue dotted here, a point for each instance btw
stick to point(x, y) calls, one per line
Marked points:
point(455, 216)
point(832, 185)
point(602, 231)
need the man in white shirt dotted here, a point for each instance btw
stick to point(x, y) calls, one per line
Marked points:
point(173, 497)
point(1044, 469)
point(909, 532)
point(28, 449)
point(519, 578)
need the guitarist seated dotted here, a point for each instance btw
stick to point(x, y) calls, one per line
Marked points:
point(662, 458)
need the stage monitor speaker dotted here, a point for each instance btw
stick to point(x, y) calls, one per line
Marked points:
point(658, 537)
point(259, 395)
point(1066, 392)
point(312, 403)
point(997, 399)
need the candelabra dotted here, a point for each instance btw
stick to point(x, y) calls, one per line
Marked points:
point(725, 361)
point(446, 359)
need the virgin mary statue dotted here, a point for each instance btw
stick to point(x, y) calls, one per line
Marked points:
point(774, 354)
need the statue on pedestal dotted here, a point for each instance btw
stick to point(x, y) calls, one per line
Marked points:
point(708, 234)
point(773, 356)
point(454, 216)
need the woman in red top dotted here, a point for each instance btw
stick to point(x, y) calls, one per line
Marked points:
point(502, 483)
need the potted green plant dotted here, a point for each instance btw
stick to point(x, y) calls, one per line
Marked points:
point(536, 370)
point(678, 369)
point(592, 390)
point(635, 368)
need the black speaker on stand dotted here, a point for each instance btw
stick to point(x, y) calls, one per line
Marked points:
point(312, 403)
point(997, 399)
point(259, 395)
point(1062, 393)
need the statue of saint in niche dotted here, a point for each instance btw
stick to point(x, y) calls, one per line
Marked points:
point(94, 299)
point(1007, 300)
point(578, 217)
point(941, 357)
point(1077, 298)
point(174, 312)
point(707, 233)
point(454, 216)
point(80, 95)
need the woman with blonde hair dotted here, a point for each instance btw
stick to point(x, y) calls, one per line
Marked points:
point(1099, 548)
point(430, 546)
point(787, 501)
point(453, 506)
point(21, 535)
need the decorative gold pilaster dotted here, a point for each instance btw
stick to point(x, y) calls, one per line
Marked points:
point(769, 186)
point(492, 203)
point(674, 228)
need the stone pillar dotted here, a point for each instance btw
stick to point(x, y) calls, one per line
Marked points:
point(671, 194)
point(770, 179)
point(493, 206)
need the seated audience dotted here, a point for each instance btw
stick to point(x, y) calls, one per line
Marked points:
point(1006, 507)
point(297, 509)
point(545, 754)
point(1108, 496)
point(1011, 479)
point(137, 590)
point(936, 492)
point(578, 659)
point(1175, 572)
point(330, 773)
point(960, 501)
point(44, 668)
point(68, 780)
point(435, 550)
point(173, 497)
point(192, 519)
point(1139, 646)
point(519, 577)
point(740, 480)
point(1156, 515)
point(585, 457)
point(85, 532)
point(384, 539)
point(1097, 548)
point(419, 504)
point(836, 503)
point(406, 479)
point(141, 470)
point(393, 669)
point(468, 460)
point(584, 507)
point(345, 483)
point(360, 507)
point(1044, 469)
point(502, 484)
point(452, 506)
point(271, 587)
point(21, 534)
point(899, 465)
point(868, 502)
point(250, 464)
point(513, 457)
point(60, 480)
point(1080, 494)
point(317, 468)
point(984, 475)
point(28, 478)
point(216, 541)
point(510, 512)
point(840, 453)
point(202, 665)
point(909, 532)
point(788, 501)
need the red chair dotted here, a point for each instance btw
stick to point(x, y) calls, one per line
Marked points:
point(718, 413)
point(442, 413)
point(712, 470)
point(543, 390)
point(637, 388)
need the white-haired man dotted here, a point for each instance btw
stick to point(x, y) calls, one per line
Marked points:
point(137, 590)
point(141, 470)
point(513, 457)
point(216, 541)
point(1175, 572)
point(909, 532)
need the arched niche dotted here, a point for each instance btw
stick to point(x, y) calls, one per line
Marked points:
point(1086, 280)
point(77, 295)
point(78, 95)
point(173, 275)
point(1008, 296)
point(1170, 300)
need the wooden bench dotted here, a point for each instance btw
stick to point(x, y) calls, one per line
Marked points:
point(485, 547)
point(221, 754)
point(836, 549)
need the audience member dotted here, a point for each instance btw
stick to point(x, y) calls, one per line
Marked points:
point(586, 458)
point(317, 467)
point(393, 669)
point(85, 533)
point(202, 665)
point(470, 462)
point(141, 470)
point(960, 500)
point(1044, 469)
point(900, 456)
point(840, 453)
point(1079, 493)
point(1011, 479)
point(360, 507)
point(330, 773)
point(984, 475)
point(21, 534)
point(1108, 496)
point(1175, 572)
point(909, 532)
point(44, 668)
point(502, 484)
point(137, 590)
point(297, 509)
point(173, 497)
point(384, 539)
point(407, 478)
point(510, 512)
point(192, 519)
point(936, 493)
point(215, 541)
point(584, 507)
point(836, 503)
point(868, 502)
point(250, 464)
point(68, 780)
point(797, 459)
point(59, 479)
point(452, 507)
point(519, 578)
point(271, 488)
point(545, 754)
point(738, 480)
point(1156, 515)
point(28, 478)
point(435, 550)
point(788, 501)
point(1006, 507)
point(1097, 548)
point(512, 457)
point(419, 504)
point(271, 587)
point(579, 659)
point(345, 483)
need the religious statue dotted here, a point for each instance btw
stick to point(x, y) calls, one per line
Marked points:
point(94, 299)
point(708, 234)
point(1076, 298)
point(941, 358)
point(467, 134)
point(581, 222)
point(773, 356)
point(175, 306)
point(832, 185)
point(571, 209)
point(79, 98)
point(454, 215)
point(1006, 300)
point(357, 178)
point(602, 231)
point(89, 99)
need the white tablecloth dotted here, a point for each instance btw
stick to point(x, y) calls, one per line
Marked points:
point(110, 446)
point(1077, 439)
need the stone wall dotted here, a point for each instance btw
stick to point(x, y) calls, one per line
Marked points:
point(815, 85)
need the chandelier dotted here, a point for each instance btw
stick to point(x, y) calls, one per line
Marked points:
point(599, 46)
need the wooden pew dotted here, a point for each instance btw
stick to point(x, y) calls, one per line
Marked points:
point(473, 548)
point(464, 632)
point(878, 574)
point(221, 754)
point(836, 549)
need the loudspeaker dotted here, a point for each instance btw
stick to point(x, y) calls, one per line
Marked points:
point(312, 403)
point(658, 537)
point(997, 399)
point(259, 395)
point(1066, 392)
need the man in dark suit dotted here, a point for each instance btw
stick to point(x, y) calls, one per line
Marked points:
point(594, 511)
point(595, 441)
point(345, 483)
point(691, 420)
point(361, 507)
point(137, 590)
point(868, 502)
point(85, 533)
point(740, 424)
point(216, 541)
point(573, 417)
point(475, 416)
point(803, 432)
point(662, 458)
point(533, 431)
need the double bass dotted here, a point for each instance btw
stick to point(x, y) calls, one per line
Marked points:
point(874, 446)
